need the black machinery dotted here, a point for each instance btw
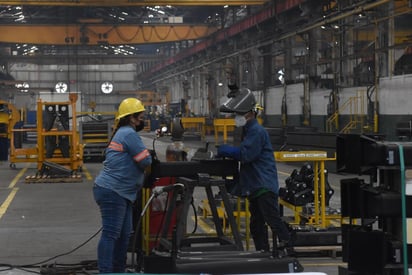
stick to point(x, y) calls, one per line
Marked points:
point(205, 254)
point(174, 255)
point(94, 135)
point(57, 116)
point(299, 189)
point(376, 241)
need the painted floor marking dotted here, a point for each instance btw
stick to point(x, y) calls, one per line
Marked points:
point(7, 202)
point(87, 173)
point(5, 205)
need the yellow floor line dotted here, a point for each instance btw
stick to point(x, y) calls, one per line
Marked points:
point(18, 176)
point(7, 202)
point(87, 173)
point(5, 205)
point(204, 226)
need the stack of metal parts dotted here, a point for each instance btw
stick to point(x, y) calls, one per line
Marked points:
point(30, 134)
point(379, 241)
point(299, 189)
point(94, 135)
point(52, 173)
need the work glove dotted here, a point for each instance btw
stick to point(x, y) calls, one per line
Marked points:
point(228, 151)
point(149, 179)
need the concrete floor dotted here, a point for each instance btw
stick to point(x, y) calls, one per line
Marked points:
point(46, 223)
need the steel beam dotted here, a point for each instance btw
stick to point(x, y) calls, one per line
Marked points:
point(216, 167)
point(119, 3)
point(97, 34)
point(80, 59)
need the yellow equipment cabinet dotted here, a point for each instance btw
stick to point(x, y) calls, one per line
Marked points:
point(195, 124)
point(9, 116)
point(65, 138)
point(224, 125)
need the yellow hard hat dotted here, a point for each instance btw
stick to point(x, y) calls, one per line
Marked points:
point(258, 108)
point(129, 106)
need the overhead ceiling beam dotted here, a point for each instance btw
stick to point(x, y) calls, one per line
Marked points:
point(80, 59)
point(119, 3)
point(101, 34)
point(160, 72)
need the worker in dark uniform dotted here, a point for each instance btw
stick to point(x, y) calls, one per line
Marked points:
point(258, 179)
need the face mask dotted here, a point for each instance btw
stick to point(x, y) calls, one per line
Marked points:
point(240, 121)
point(140, 126)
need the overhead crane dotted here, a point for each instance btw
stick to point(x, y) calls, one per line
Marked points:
point(73, 59)
point(101, 34)
point(90, 33)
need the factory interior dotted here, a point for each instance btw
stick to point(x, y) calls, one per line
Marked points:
point(332, 79)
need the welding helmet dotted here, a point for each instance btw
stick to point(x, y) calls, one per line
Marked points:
point(129, 106)
point(240, 102)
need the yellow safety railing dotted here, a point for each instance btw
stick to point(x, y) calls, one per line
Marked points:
point(355, 105)
point(318, 158)
point(239, 212)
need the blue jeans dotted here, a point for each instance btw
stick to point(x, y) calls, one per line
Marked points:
point(265, 210)
point(116, 214)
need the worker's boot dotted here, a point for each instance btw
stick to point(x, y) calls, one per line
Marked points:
point(285, 248)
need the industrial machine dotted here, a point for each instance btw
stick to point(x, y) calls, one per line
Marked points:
point(95, 130)
point(94, 135)
point(377, 240)
point(307, 194)
point(9, 116)
point(174, 253)
point(58, 148)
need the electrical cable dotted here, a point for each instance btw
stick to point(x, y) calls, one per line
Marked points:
point(30, 271)
point(63, 254)
point(143, 211)
point(196, 217)
point(5, 267)
point(81, 265)
point(154, 194)
point(139, 221)
point(163, 215)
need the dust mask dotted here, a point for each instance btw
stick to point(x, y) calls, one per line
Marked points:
point(140, 127)
point(240, 121)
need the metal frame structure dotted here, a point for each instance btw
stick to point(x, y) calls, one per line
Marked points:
point(38, 153)
point(381, 241)
point(320, 218)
